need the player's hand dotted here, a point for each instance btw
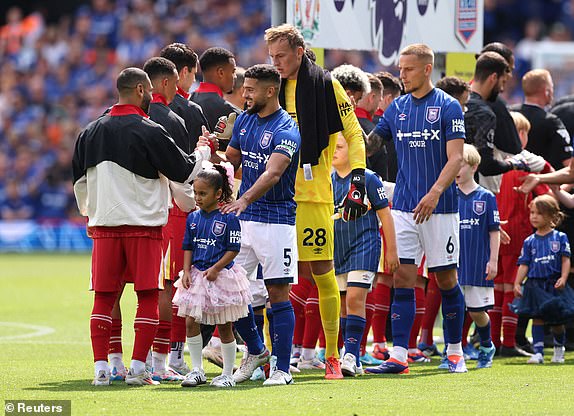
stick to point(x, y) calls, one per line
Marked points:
point(224, 126)
point(554, 187)
point(208, 139)
point(391, 260)
point(425, 207)
point(529, 182)
point(491, 270)
point(355, 203)
point(517, 291)
point(560, 283)
point(236, 207)
point(504, 237)
point(534, 162)
point(211, 274)
point(186, 279)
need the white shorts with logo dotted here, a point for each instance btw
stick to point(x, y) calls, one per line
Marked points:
point(437, 238)
point(272, 245)
point(356, 278)
point(478, 298)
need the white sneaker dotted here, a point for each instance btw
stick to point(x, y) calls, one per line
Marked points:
point(223, 381)
point(118, 374)
point(182, 369)
point(249, 365)
point(103, 378)
point(258, 374)
point(279, 378)
point(349, 365)
point(314, 364)
point(536, 359)
point(167, 376)
point(140, 379)
point(360, 370)
point(558, 356)
point(194, 378)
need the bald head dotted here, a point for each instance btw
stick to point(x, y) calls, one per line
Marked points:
point(129, 78)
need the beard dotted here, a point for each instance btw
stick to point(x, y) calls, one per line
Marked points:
point(493, 94)
point(145, 103)
point(255, 108)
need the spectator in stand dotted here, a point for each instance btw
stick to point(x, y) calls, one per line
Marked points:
point(15, 206)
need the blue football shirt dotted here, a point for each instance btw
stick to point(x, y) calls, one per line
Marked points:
point(358, 242)
point(209, 236)
point(478, 217)
point(543, 254)
point(257, 138)
point(420, 129)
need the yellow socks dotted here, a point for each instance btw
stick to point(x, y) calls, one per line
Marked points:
point(330, 307)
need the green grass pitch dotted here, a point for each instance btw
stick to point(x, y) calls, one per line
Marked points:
point(47, 296)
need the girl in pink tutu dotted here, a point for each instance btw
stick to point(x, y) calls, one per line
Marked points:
point(213, 290)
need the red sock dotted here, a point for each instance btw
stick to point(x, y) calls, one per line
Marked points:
point(465, 329)
point(433, 301)
point(509, 321)
point(116, 336)
point(101, 324)
point(312, 319)
point(178, 331)
point(419, 313)
point(382, 308)
point(298, 297)
point(161, 342)
point(369, 312)
point(145, 323)
point(496, 317)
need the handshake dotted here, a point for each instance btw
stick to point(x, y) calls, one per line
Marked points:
point(223, 130)
point(527, 162)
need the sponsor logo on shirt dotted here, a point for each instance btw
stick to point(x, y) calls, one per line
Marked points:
point(204, 242)
point(252, 159)
point(402, 117)
point(432, 114)
point(345, 108)
point(381, 192)
point(468, 223)
point(242, 132)
point(424, 135)
point(458, 125)
point(287, 146)
point(235, 237)
point(218, 228)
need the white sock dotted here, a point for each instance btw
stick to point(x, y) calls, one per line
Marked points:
point(149, 360)
point(158, 361)
point(413, 350)
point(176, 354)
point(382, 345)
point(399, 354)
point(454, 349)
point(215, 342)
point(116, 360)
point(296, 349)
point(137, 366)
point(99, 366)
point(307, 354)
point(228, 352)
point(195, 344)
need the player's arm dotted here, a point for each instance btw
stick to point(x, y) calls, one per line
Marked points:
point(182, 194)
point(275, 167)
point(492, 265)
point(352, 131)
point(483, 124)
point(391, 255)
point(520, 276)
point(80, 179)
point(561, 283)
point(564, 175)
point(211, 273)
point(428, 203)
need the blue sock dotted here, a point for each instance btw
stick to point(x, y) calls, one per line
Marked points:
point(269, 313)
point(283, 327)
point(538, 339)
point(248, 331)
point(484, 334)
point(559, 339)
point(355, 325)
point(453, 313)
point(343, 328)
point(445, 336)
point(260, 322)
point(402, 316)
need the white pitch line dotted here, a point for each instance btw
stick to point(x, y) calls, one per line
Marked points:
point(37, 331)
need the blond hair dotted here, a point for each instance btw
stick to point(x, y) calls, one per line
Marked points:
point(548, 207)
point(520, 121)
point(421, 51)
point(535, 81)
point(285, 31)
point(470, 155)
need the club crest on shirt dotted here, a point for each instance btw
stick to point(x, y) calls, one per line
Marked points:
point(478, 207)
point(218, 228)
point(555, 246)
point(266, 139)
point(432, 114)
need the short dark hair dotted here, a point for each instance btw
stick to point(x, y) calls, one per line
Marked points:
point(490, 63)
point(391, 84)
point(453, 86)
point(216, 177)
point(376, 84)
point(500, 48)
point(129, 78)
point(213, 57)
point(159, 67)
point(181, 55)
point(264, 72)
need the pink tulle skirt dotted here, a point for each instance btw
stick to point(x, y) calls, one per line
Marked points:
point(226, 299)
